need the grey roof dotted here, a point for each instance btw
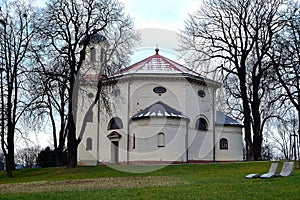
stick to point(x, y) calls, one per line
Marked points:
point(225, 120)
point(158, 109)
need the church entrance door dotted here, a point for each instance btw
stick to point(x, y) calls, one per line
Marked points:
point(115, 152)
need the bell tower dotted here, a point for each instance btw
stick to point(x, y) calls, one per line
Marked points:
point(87, 126)
point(95, 59)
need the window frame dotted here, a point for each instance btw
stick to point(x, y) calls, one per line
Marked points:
point(203, 126)
point(161, 139)
point(115, 123)
point(89, 144)
point(92, 54)
point(224, 144)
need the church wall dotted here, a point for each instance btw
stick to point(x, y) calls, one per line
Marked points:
point(147, 146)
point(200, 141)
point(87, 156)
point(119, 102)
point(200, 145)
point(142, 94)
point(235, 145)
point(198, 106)
point(181, 95)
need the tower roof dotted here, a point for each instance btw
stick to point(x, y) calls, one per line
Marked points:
point(94, 38)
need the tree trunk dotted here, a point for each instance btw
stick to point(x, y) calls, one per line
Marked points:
point(246, 111)
point(59, 156)
point(72, 143)
point(248, 136)
point(256, 124)
point(61, 143)
point(10, 157)
point(257, 142)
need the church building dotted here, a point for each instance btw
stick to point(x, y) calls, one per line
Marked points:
point(161, 112)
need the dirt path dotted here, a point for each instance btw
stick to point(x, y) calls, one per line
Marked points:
point(89, 184)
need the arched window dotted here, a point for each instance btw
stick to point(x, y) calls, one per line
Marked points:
point(161, 140)
point(90, 116)
point(201, 124)
point(115, 123)
point(102, 57)
point(133, 141)
point(89, 144)
point(93, 55)
point(223, 143)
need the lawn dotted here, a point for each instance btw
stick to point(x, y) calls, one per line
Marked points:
point(189, 181)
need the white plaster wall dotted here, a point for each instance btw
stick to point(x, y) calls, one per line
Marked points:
point(198, 106)
point(181, 95)
point(119, 105)
point(142, 95)
point(146, 140)
point(91, 130)
point(235, 145)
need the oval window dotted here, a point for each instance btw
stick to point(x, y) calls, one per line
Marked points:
point(116, 92)
point(90, 95)
point(201, 93)
point(159, 90)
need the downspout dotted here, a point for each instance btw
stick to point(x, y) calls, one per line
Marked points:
point(214, 129)
point(187, 141)
point(98, 131)
point(128, 119)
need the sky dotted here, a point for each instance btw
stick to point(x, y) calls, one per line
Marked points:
point(166, 14)
point(159, 22)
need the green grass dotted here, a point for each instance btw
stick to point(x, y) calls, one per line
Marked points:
point(191, 181)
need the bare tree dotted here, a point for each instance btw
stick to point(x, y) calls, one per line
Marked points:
point(17, 19)
point(67, 27)
point(27, 157)
point(238, 35)
point(286, 58)
point(50, 85)
point(281, 134)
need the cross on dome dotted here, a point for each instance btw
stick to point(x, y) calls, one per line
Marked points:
point(157, 50)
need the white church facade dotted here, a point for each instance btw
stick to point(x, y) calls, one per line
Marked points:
point(161, 112)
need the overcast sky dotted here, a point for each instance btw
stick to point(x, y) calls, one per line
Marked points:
point(159, 21)
point(168, 14)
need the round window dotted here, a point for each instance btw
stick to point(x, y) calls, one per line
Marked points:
point(90, 95)
point(159, 90)
point(201, 93)
point(116, 92)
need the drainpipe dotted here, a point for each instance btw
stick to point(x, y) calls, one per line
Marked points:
point(98, 130)
point(187, 141)
point(214, 129)
point(128, 119)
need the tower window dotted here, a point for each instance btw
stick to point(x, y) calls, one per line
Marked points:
point(102, 57)
point(89, 144)
point(93, 55)
point(89, 116)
